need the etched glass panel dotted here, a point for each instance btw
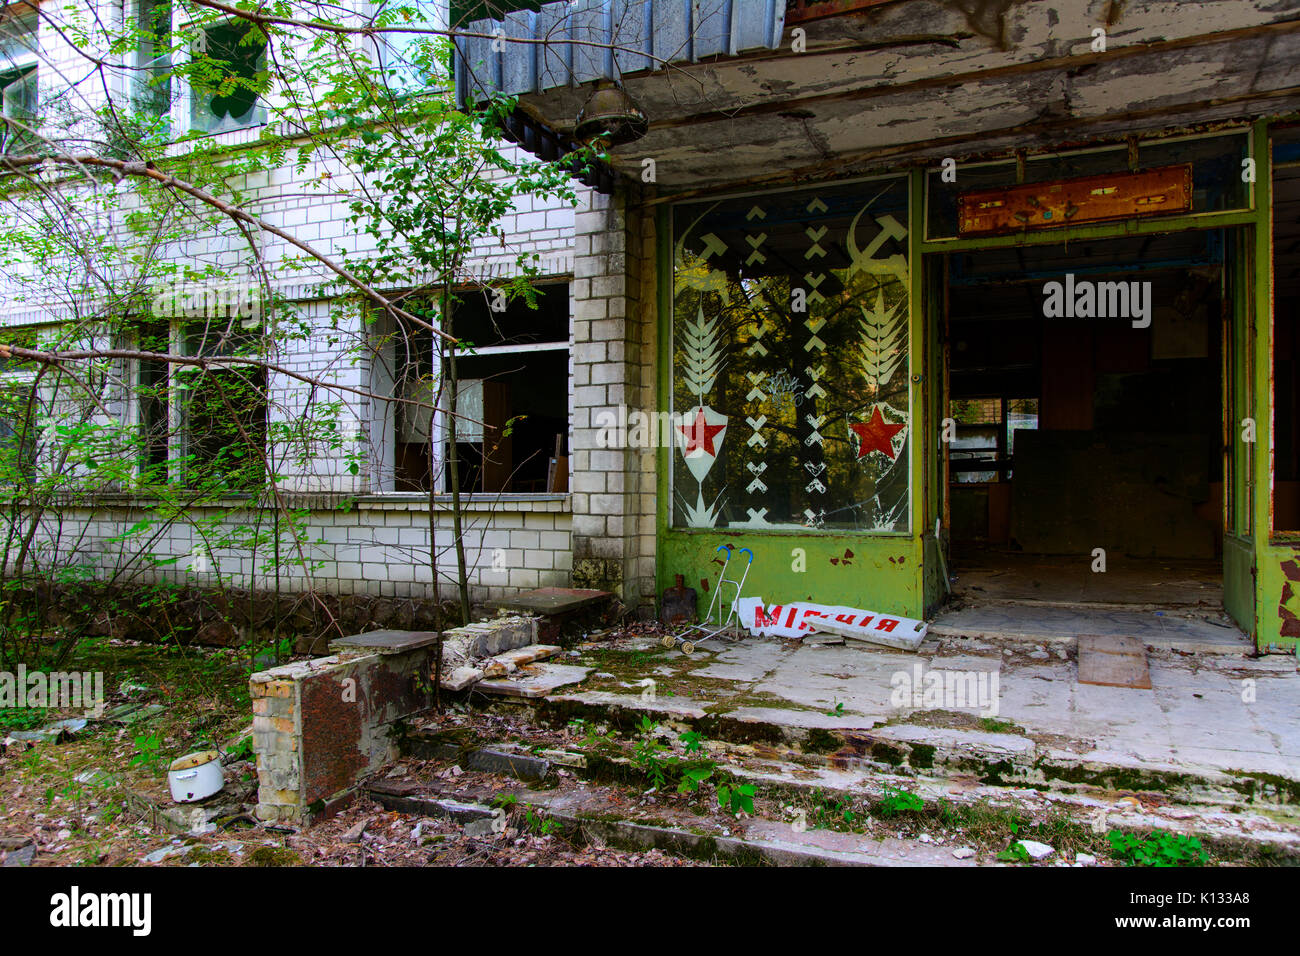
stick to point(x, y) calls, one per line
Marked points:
point(790, 383)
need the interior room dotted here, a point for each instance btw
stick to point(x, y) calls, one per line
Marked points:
point(1081, 437)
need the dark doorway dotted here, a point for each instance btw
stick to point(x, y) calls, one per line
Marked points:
point(1086, 399)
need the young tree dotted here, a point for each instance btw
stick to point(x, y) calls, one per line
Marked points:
point(114, 187)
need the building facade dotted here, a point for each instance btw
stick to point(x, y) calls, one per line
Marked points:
point(885, 291)
point(929, 287)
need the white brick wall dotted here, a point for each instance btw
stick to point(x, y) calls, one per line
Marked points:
point(381, 545)
point(614, 307)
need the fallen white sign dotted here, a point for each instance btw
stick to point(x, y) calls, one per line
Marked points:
point(803, 618)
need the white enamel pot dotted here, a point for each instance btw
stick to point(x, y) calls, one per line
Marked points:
point(195, 776)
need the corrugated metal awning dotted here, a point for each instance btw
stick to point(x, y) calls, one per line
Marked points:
point(578, 41)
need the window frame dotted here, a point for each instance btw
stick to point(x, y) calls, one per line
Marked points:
point(915, 503)
point(183, 96)
point(389, 423)
point(25, 67)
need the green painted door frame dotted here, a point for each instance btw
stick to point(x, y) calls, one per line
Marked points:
point(1276, 569)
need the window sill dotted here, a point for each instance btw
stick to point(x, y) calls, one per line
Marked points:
point(535, 501)
point(322, 501)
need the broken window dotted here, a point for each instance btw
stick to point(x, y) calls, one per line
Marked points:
point(513, 397)
point(223, 410)
point(18, 82)
point(791, 376)
point(151, 87)
point(228, 79)
point(984, 447)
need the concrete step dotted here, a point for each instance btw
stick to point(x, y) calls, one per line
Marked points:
point(1054, 623)
point(765, 843)
point(792, 779)
point(1007, 758)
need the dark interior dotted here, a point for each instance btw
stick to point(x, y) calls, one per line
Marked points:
point(521, 445)
point(1074, 434)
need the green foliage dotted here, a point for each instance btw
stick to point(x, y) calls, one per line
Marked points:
point(649, 754)
point(22, 718)
point(1157, 848)
point(737, 798)
point(148, 752)
point(537, 822)
point(692, 742)
point(242, 750)
point(830, 812)
point(1016, 853)
point(896, 802)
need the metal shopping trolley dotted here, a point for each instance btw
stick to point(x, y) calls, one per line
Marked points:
point(725, 621)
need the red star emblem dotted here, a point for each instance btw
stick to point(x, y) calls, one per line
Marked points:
point(700, 434)
point(876, 435)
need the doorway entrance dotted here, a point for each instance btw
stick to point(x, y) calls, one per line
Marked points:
point(1085, 399)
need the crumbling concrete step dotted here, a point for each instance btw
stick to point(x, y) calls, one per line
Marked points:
point(1004, 759)
point(776, 845)
point(501, 665)
point(404, 796)
point(505, 664)
point(1224, 827)
point(768, 843)
point(1021, 622)
point(519, 766)
point(535, 680)
point(507, 760)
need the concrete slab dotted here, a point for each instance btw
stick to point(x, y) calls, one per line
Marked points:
point(1111, 660)
point(528, 655)
point(535, 680)
point(1051, 623)
point(551, 600)
point(384, 642)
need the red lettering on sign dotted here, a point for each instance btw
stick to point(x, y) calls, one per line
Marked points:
point(886, 624)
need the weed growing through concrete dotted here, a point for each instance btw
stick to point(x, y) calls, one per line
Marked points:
point(1157, 848)
point(830, 812)
point(737, 798)
point(898, 802)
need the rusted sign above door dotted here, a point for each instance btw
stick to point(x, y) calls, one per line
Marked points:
point(1051, 205)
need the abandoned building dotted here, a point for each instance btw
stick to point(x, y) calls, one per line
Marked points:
point(998, 297)
point(1003, 293)
point(981, 315)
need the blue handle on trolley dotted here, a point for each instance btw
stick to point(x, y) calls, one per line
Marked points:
point(726, 548)
point(748, 552)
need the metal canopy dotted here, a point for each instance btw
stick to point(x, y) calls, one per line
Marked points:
point(886, 85)
point(579, 41)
